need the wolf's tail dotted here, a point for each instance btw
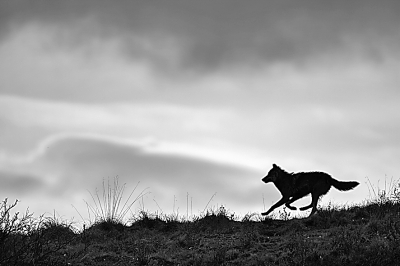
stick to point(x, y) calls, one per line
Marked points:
point(342, 185)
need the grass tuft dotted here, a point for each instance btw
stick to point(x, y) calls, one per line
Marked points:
point(107, 206)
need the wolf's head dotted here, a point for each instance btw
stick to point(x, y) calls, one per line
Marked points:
point(273, 174)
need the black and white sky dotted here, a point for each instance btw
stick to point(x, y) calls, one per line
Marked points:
point(195, 97)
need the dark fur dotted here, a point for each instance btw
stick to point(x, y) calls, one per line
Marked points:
point(294, 186)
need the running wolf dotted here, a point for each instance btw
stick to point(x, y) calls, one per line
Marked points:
point(294, 186)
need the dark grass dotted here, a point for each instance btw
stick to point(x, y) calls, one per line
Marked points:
point(367, 234)
point(364, 234)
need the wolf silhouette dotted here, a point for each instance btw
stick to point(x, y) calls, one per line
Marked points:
point(294, 186)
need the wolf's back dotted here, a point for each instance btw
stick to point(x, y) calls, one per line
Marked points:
point(343, 185)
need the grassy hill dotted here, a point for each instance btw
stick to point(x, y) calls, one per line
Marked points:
point(368, 234)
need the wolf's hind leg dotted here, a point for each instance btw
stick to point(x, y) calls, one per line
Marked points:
point(315, 198)
point(290, 207)
point(295, 197)
point(306, 207)
point(287, 204)
point(312, 205)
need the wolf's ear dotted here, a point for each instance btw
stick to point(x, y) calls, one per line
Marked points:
point(274, 165)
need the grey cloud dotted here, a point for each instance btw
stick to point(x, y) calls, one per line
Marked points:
point(113, 159)
point(213, 34)
point(19, 184)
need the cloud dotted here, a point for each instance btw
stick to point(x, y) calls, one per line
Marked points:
point(102, 158)
point(19, 184)
point(204, 36)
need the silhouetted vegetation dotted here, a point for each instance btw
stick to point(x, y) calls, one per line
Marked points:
point(365, 234)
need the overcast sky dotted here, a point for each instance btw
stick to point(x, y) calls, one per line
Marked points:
point(195, 98)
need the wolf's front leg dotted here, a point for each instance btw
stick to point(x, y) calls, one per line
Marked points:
point(276, 205)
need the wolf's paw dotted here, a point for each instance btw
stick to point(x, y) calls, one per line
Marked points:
point(291, 207)
point(264, 213)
